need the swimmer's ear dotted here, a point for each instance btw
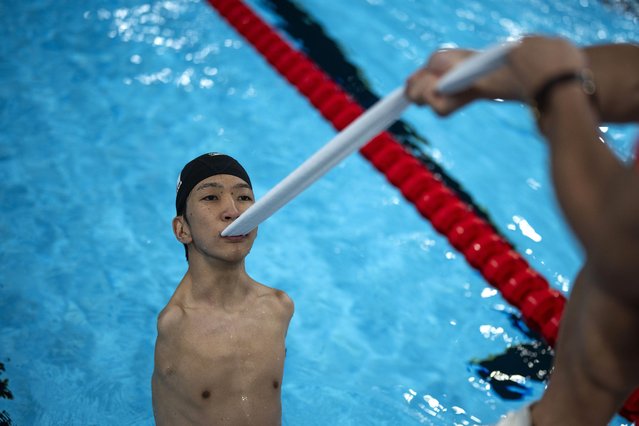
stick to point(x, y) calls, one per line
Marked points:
point(182, 230)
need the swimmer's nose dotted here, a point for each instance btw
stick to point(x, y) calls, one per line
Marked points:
point(231, 212)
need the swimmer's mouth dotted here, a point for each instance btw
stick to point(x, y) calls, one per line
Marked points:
point(234, 237)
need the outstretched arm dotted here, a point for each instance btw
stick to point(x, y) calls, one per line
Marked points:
point(599, 194)
point(615, 67)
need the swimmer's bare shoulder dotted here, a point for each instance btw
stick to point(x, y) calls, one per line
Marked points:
point(170, 316)
point(168, 324)
point(280, 301)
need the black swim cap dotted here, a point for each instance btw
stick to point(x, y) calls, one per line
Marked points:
point(202, 167)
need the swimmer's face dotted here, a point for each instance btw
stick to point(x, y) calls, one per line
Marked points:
point(212, 205)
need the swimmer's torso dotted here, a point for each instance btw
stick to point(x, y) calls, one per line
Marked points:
point(219, 367)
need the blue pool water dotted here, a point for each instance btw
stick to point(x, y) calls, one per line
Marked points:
point(102, 102)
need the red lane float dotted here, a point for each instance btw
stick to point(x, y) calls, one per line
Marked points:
point(540, 305)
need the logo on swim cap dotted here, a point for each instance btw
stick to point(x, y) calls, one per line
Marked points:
point(179, 179)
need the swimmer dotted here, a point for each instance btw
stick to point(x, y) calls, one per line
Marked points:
point(220, 349)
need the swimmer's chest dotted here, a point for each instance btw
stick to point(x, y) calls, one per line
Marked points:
point(235, 336)
point(226, 353)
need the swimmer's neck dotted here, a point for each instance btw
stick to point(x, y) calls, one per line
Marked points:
point(220, 284)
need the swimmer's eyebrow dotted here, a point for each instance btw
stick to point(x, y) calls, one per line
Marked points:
point(220, 186)
point(242, 185)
